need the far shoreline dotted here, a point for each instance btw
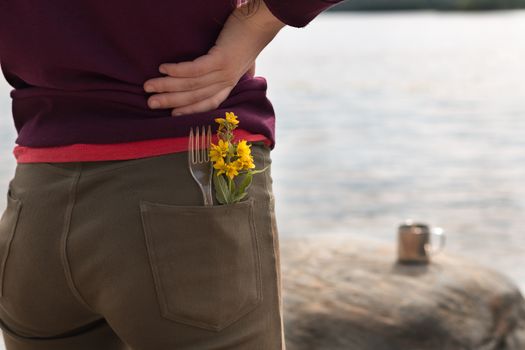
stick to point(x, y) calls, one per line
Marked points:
point(381, 6)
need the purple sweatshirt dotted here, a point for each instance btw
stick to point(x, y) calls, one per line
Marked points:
point(78, 67)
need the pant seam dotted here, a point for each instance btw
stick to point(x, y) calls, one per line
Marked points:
point(63, 240)
point(277, 275)
point(81, 330)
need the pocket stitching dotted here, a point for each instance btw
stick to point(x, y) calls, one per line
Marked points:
point(158, 282)
point(145, 204)
point(12, 229)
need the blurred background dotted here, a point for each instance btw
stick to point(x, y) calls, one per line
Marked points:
point(389, 115)
point(384, 116)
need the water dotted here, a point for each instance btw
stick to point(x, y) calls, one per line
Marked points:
point(383, 117)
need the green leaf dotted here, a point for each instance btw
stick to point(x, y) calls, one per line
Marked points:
point(247, 180)
point(240, 196)
point(232, 190)
point(218, 193)
point(221, 188)
point(259, 171)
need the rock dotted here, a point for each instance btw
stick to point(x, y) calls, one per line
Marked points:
point(345, 293)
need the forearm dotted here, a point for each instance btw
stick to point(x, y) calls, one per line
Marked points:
point(262, 19)
point(298, 13)
point(245, 35)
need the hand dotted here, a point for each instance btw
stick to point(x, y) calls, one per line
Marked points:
point(197, 86)
point(203, 84)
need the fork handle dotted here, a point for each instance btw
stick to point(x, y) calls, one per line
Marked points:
point(208, 198)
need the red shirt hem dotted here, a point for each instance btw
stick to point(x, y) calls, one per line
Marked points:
point(82, 152)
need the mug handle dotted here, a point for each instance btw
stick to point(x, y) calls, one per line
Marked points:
point(430, 248)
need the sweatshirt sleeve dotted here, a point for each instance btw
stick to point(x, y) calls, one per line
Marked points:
point(298, 13)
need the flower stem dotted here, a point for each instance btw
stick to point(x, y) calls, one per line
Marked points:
point(229, 188)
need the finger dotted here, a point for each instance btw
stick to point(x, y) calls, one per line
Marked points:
point(178, 99)
point(206, 105)
point(175, 84)
point(200, 66)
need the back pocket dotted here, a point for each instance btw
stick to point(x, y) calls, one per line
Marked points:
point(205, 261)
point(8, 223)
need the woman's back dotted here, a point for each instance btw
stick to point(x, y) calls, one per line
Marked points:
point(123, 254)
point(78, 69)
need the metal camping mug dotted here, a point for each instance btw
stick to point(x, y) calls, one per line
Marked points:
point(414, 242)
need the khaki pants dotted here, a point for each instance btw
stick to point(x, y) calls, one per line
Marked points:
point(124, 255)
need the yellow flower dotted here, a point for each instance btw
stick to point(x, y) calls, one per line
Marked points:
point(237, 164)
point(221, 122)
point(243, 149)
point(231, 118)
point(220, 165)
point(219, 151)
point(245, 162)
point(231, 170)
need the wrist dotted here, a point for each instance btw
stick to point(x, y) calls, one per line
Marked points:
point(262, 20)
point(244, 37)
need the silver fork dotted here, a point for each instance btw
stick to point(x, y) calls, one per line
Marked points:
point(200, 163)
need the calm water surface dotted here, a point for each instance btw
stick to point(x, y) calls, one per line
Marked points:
point(411, 115)
point(391, 116)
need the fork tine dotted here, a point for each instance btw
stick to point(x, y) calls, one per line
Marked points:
point(208, 143)
point(202, 146)
point(199, 147)
point(190, 146)
point(199, 144)
point(196, 145)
